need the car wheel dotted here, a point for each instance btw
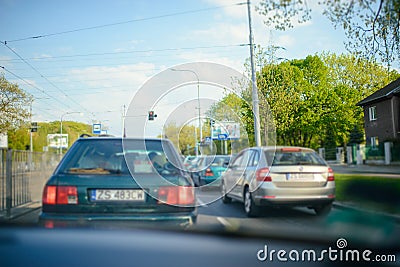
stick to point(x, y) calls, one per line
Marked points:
point(323, 210)
point(225, 198)
point(249, 206)
point(195, 183)
point(199, 181)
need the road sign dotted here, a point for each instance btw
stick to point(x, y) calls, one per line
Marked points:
point(222, 136)
point(96, 129)
point(228, 128)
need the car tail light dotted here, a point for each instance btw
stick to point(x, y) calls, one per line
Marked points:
point(209, 172)
point(262, 175)
point(176, 195)
point(54, 195)
point(331, 177)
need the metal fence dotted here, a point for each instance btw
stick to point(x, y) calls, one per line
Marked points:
point(385, 153)
point(395, 150)
point(375, 153)
point(22, 177)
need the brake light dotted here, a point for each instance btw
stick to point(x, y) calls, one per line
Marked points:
point(209, 172)
point(176, 195)
point(262, 175)
point(55, 195)
point(331, 176)
point(290, 149)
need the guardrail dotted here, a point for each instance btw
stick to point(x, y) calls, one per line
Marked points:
point(22, 177)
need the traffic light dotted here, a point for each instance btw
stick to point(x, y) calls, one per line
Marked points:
point(212, 122)
point(152, 115)
point(34, 127)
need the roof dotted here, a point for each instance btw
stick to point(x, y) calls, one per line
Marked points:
point(387, 91)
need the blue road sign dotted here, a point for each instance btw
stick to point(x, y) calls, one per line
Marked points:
point(222, 136)
point(96, 129)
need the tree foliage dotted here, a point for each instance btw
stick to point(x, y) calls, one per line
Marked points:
point(372, 26)
point(312, 101)
point(182, 137)
point(19, 139)
point(14, 106)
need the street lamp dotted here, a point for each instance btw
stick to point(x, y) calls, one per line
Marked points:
point(61, 121)
point(198, 105)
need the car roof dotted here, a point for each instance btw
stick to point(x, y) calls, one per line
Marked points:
point(121, 138)
point(275, 148)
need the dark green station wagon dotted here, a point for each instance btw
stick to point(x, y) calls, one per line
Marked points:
point(125, 180)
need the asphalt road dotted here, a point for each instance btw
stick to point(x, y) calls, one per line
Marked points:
point(213, 215)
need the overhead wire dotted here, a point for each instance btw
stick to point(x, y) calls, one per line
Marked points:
point(45, 78)
point(103, 54)
point(133, 51)
point(33, 86)
point(122, 22)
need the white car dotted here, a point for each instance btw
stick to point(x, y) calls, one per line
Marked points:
point(279, 176)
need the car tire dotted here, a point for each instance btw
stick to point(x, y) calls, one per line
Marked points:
point(196, 181)
point(199, 181)
point(323, 210)
point(249, 206)
point(225, 198)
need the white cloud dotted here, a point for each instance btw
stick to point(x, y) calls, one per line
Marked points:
point(222, 33)
point(232, 62)
point(102, 91)
point(129, 75)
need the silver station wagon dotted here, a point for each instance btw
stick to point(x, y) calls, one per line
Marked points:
point(279, 176)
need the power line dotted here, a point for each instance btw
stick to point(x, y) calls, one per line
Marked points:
point(122, 22)
point(133, 51)
point(41, 75)
point(32, 85)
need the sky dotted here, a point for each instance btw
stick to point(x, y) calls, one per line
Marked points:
point(85, 60)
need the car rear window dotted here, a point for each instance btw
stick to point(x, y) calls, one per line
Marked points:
point(289, 158)
point(114, 156)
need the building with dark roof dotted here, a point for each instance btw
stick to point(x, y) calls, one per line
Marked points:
point(382, 114)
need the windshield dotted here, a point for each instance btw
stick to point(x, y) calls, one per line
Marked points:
point(267, 118)
point(280, 158)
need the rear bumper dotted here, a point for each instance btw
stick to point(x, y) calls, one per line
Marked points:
point(53, 220)
point(310, 196)
point(294, 201)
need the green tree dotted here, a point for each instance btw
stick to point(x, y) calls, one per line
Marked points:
point(313, 100)
point(372, 26)
point(19, 139)
point(234, 108)
point(14, 103)
point(352, 80)
point(182, 137)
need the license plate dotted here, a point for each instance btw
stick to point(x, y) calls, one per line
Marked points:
point(299, 176)
point(117, 195)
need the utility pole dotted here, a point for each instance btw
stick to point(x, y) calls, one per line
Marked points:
point(254, 95)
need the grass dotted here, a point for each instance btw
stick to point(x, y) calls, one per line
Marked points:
point(369, 192)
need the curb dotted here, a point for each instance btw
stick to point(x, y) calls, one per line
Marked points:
point(343, 206)
point(20, 211)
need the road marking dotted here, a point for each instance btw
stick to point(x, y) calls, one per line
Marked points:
point(232, 226)
point(224, 222)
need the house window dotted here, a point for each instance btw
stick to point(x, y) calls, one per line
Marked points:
point(374, 142)
point(372, 113)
